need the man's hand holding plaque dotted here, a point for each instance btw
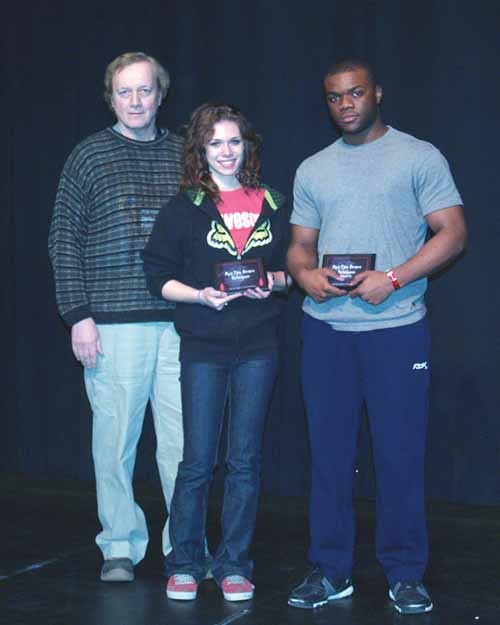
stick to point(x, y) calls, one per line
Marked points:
point(374, 287)
point(347, 267)
point(357, 276)
point(316, 283)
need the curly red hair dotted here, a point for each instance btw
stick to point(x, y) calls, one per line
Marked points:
point(199, 132)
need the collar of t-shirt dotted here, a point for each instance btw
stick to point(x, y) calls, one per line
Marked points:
point(240, 209)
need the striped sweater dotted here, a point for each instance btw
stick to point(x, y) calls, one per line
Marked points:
point(109, 194)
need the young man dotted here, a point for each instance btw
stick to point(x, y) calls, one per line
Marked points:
point(374, 191)
point(111, 188)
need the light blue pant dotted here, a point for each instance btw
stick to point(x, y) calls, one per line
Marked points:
point(140, 363)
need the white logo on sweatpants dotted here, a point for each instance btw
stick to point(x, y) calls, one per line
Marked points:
point(420, 365)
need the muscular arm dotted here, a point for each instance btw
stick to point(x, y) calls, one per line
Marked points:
point(448, 226)
point(302, 261)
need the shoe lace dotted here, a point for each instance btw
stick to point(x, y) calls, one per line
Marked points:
point(315, 575)
point(402, 587)
point(409, 586)
point(183, 578)
point(235, 579)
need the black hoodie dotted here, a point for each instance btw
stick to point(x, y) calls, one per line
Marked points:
point(188, 238)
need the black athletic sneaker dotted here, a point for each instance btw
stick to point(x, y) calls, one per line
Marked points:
point(317, 590)
point(410, 598)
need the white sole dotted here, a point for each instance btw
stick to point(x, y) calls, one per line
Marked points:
point(419, 611)
point(341, 595)
point(181, 596)
point(238, 596)
point(345, 593)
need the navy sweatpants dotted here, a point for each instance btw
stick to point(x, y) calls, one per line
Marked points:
point(389, 369)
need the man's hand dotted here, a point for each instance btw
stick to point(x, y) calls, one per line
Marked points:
point(302, 260)
point(316, 284)
point(86, 342)
point(372, 287)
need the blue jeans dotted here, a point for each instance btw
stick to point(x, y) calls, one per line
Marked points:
point(206, 386)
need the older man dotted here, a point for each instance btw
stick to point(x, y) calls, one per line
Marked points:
point(110, 191)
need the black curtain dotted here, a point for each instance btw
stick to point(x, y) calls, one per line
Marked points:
point(437, 61)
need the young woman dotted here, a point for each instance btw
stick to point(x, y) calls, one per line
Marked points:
point(228, 337)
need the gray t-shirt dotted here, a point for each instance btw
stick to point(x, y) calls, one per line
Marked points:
point(373, 198)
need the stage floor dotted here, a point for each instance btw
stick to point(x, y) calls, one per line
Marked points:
point(49, 566)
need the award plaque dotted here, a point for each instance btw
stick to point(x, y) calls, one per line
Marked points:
point(239, 275)
point(348, 266)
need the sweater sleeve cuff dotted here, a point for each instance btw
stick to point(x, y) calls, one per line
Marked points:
point(76, 314)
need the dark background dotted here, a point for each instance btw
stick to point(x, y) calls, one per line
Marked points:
point(438, 64)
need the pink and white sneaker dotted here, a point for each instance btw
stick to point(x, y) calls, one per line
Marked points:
point(182, 587)
point(237, 588)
